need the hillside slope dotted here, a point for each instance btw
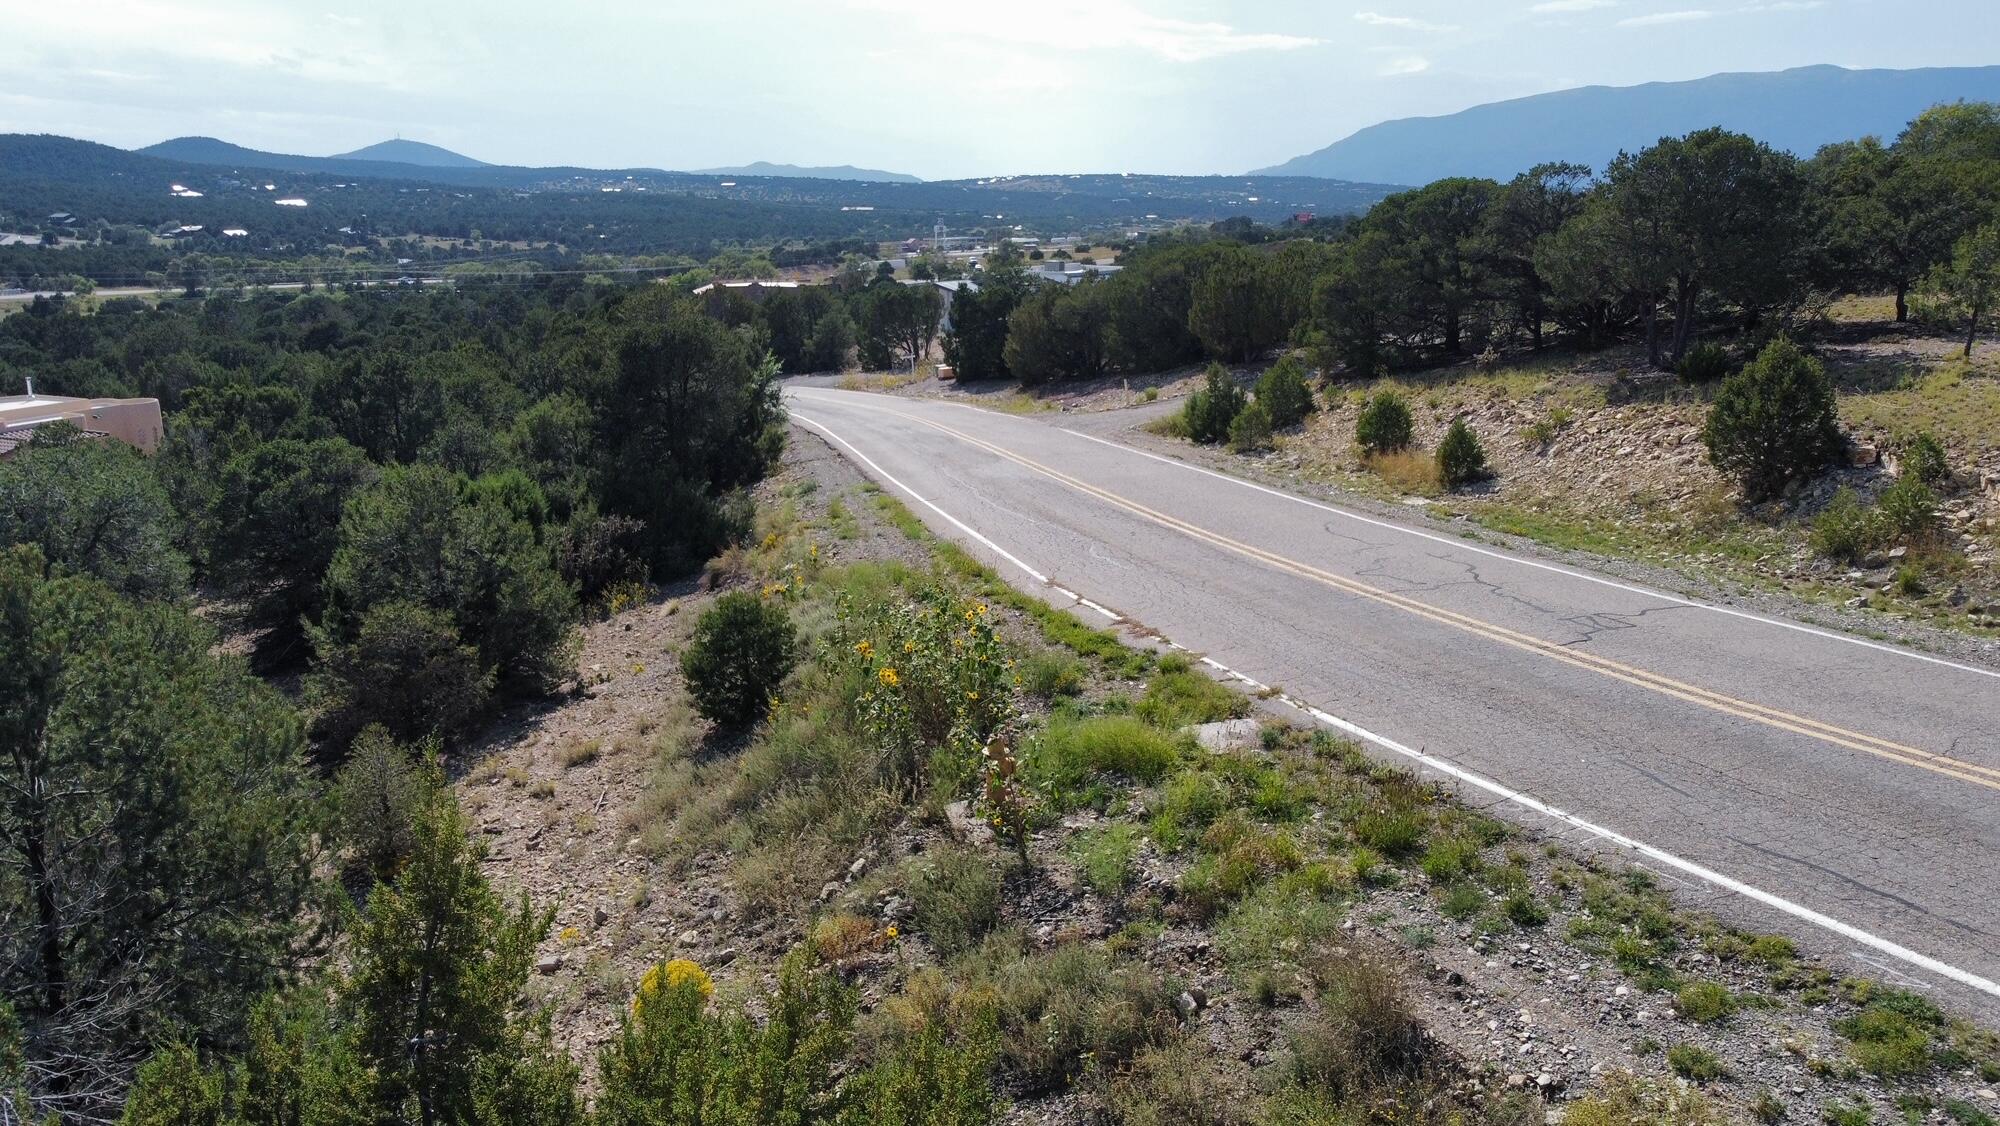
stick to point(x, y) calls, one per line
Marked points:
point(1798, 110)
point(400, 151)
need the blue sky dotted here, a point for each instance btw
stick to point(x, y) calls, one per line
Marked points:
point(940, 88)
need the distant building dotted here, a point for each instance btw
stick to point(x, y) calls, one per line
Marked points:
point(715, 296)
point(950, 288)
point(136, 422)
point(1057, 272)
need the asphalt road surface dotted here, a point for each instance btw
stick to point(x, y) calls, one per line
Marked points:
point(1842, 789)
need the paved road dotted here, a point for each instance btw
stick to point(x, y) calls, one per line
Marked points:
point(1846, 788)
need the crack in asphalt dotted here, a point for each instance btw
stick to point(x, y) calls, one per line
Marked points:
point(1841, 877)
point(1590, 625)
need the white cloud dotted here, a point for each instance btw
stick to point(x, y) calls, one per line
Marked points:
point(1072, 25)
point(1406, 23)
point(1551, 6)
point(1656, 18)
point(1404, 64)
point(250, 38)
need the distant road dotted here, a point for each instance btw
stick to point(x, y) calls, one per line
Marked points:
point(1842, 789)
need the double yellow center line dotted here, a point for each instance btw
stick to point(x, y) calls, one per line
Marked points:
point(1946, 765)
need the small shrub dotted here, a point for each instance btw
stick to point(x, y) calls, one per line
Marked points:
point(1070, 751)
point(1627, 1100)
point(742, 649)
point(1856, 1113)
point(1463, 901)
point(1767, 1108)
point(1384, 425)
point(1283, 393)
point(675, 1060)
point(1175, 1084)
point(1366, 1037)
point(1407, 471)
point(1706, 362)
point(406, 670)
point(956, 894)
point(377, 797)
point(1891, 1035)
point(1909, 580)
point(938, 1077)
point(1704, 1002)
point(1773, 422)
point(1179, 697)
point(1067, 1012)
point(1449, 858)
point(1461, 458)
point(1250, 431)
point(1152, 394)
point(579, 753)
point(1774, 950)
point(1210, 411)
point(1524, 908)
point(1188, 805)
point(1395, 833)
point(840, 936)
point(1053, 675)
point(1908, 509)
point(1105, 858)
point(1844, 530)
point(1695, 1063)
point(1924, 460)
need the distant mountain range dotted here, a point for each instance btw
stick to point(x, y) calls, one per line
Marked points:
point(417, 160)
point(1798, 110)
point(400, 151)
point(201, 180)
point(829, 172)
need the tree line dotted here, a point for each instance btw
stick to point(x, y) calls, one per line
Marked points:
point(1706, 231)
point(411, 498)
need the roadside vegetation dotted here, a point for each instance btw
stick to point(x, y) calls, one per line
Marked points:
point(455, 723)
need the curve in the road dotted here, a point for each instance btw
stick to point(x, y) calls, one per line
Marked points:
point(1960, 769)
point(1957, 769)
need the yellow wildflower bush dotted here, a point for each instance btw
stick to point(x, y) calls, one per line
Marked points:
point(666, 977)
point(944, 693)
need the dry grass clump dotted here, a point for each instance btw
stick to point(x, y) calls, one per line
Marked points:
point(1407, 470)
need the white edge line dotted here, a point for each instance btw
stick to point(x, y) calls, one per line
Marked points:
point(1661, 856)
point(925, 501)
point(1461, 543)
point(1480, 781)
point(1537, 564)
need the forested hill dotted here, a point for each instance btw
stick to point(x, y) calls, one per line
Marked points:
point(1032, 199)
point(43, 175)
point(1796, 110)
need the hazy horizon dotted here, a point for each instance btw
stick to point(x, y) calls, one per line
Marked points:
point(973, 89)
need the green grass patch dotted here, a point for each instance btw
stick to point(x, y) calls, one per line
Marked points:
point(1178, 696)
point(1072, 754)
point(1695, 1063)
point(1053, 675)
point(1105, 857)
point(956, 895)
point(1704, 1002)
point(1892, 1036)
